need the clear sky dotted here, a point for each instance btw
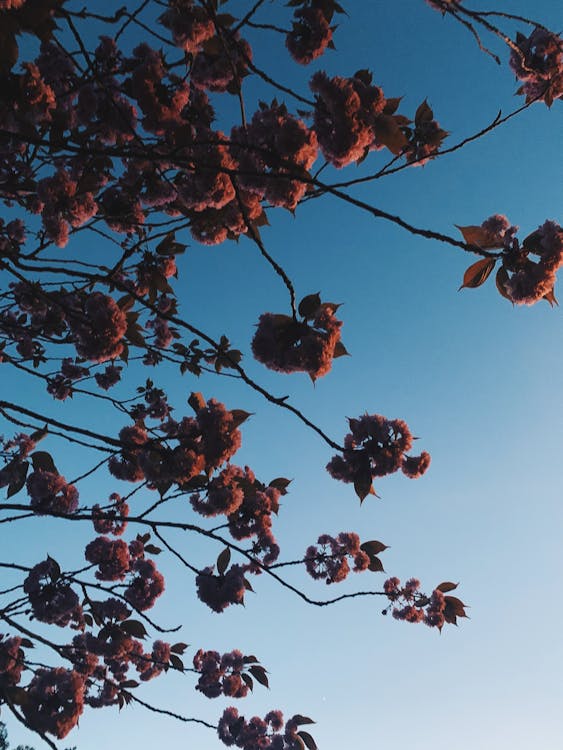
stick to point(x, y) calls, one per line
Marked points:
point(478, 380)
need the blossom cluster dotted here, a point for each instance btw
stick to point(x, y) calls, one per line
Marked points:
point(411, 605)
point(11, 660)
point(272, 147)
point(54, 701)
point(220, 591)
point(221, 674)
point(537, 60)
point(345, 117)
point(329, 562)
point(51, 493)
point(526, 281)
point(288, 345)
point(115, 560)
point(310, 34)
point(268, 733)
point(203, 444)
point(248, 506)
point(52, 599)
point(375, 447)
point(519, 278)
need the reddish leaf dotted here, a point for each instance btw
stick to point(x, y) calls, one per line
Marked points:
point(299, 719)
point(134, 628)
point(309, 305)
point(176, 662)
point(250, 660)
point(308, 740)
point(43, 460)
point(478, 273)
point(550, 297)
point(375, 565)
point(240, 416)
point(178, 648)
point(362, 485)
point(259, 674)
point(223, 561)
point(424, 113)
point(19, 480)
point(248, 680)
point(456, 605)
point(374, 547)
point(501, 279)
point(446, 586)
point(197, 402)
point(281, 484)
point(152, 549)
point(340, 350)
point(388, 132)
point(479, 237)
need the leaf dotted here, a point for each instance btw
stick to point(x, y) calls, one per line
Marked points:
point(454, 608)
point(299, 719)
point(129, 684)
point(197, 402)
point(259, 674)
point(178, 648)
point(223, 561)
point(126, 303)
point(373, 547)
point(340, 350)
point(281, 484)
point(55, 572)
point(501, 279)
point(152, 549)
point(134, 334)
point(456, 605)
point(550, 297)
point(446, 586)
point(388, 133)
point(39, 434)
point(134, 628)
point(364, 75)
point(480, 237)
point(375, 565)
point(19, 480)
point(308, 740)
point(176, 662)
point(43, 460)
point(362, 485)
point(8, 51)
point(309, 305)
point(478, 273)
point(424, 113)
point(250, 660)
point(248, 680)
point(391, 105)
point(240, 416)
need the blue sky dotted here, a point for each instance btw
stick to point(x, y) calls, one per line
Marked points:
point(478, 380)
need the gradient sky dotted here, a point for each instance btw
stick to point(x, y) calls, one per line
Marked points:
point(478, 380)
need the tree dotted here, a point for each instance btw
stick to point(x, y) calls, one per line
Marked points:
point(137, 128)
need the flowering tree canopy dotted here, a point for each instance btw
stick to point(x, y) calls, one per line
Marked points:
point(142, 129)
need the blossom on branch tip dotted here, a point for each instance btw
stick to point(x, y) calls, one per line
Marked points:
point(309, 36)
point(219, 591)
point(51, 493)
point(538, 61)
point(374, 447)
point(54, 701)
point(288, 345)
